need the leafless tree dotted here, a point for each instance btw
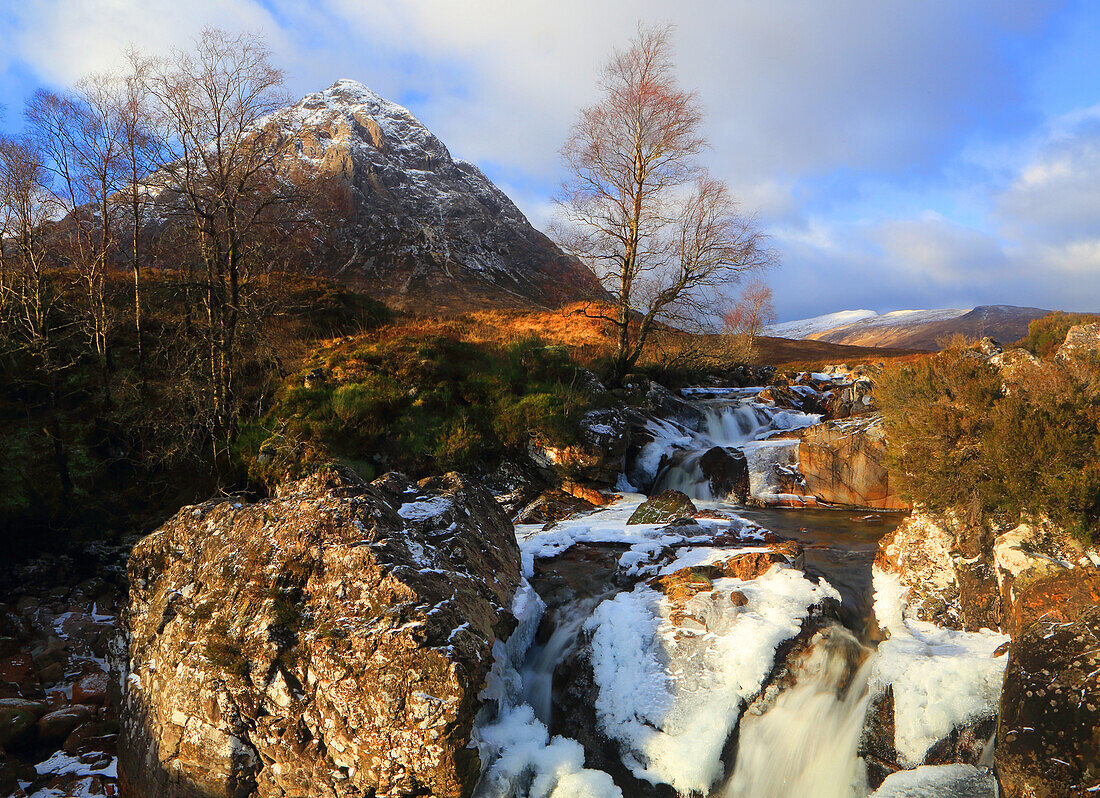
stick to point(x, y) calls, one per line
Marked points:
point(79, 134)
point(29, 300)
point(750, 313)
point(221, 176)
point(142, 153)
point(637, 207)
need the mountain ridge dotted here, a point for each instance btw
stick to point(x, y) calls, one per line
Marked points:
point(428, 232)
point(912, 329)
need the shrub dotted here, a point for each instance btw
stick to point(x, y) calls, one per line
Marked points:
point(1046, 334)
point(427, 403)
point(958, 440)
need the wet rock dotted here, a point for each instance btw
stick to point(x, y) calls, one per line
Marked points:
point(727, 472)
point(844, 463)
point(1048, 741)
point(966, 744)
point(553, 506)
point(55, 726)
point(664, 508)
point(330, 641)
point(876, 742)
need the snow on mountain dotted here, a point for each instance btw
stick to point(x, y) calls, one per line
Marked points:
point(912, 329)
point(804, 328)
point(415, 227)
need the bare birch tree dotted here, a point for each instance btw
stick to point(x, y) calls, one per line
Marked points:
point(30, 297)
point(637, 207)
point(220, 176)
point(748, 316)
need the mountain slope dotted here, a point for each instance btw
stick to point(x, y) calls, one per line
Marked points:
point(428, 233)
point(914, 329)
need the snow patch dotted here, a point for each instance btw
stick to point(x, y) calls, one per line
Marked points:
point(942, 679)
point(673, 680)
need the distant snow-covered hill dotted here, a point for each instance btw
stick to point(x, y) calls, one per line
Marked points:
point(911, 329)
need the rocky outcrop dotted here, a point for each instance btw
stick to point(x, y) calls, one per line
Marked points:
point(844, 462)
point(1042, 588)
point(1048, 741)
point(329, 641)
point(664, 508)
point(597, 457)
point(1081, 340)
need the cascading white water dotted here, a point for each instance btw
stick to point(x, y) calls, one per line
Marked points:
point(805, 743)
point(727, 424)
point(538, 668)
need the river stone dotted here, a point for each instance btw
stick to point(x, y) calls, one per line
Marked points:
point(330, 641)
point(664, 508)
point(727, 472)
point(1048, 741)
point(56, 726)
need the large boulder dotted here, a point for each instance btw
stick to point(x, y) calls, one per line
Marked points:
point(1048, 741)
point(330, 641)
point(844, 462)
point(727, 472)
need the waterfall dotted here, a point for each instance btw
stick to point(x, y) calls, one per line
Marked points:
point(538, 668)
point(805, 742)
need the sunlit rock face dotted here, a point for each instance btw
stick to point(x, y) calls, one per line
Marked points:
point(427, 232)
point(844, 462)
point(329, 641)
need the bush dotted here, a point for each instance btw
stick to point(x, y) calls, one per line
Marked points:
point(1046, 334)
point(958, 440)
point(427, 403)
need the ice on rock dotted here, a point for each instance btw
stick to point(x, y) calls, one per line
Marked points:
point(672, 684)
point(941, 678)
point(939, 781)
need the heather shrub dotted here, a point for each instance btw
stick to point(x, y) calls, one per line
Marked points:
point(959, 440)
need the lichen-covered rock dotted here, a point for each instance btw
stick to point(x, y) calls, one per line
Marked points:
point(1048, 741)
point(1081, 341)
point(597, 457)
point(844, 462)
point(1016, 367)
point(663, 508)
point(918, 552)
point(330, 641)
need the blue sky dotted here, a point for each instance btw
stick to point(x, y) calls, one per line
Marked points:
point(901, 154)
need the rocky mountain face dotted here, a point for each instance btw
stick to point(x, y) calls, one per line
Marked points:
point(913, 329)
point(426, 231)
point(329, 641)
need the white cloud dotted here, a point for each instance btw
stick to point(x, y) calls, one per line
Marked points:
point(801, 97)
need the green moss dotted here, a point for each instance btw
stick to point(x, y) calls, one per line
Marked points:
point(423, 404)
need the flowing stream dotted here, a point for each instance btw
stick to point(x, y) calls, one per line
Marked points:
point(802, 738)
